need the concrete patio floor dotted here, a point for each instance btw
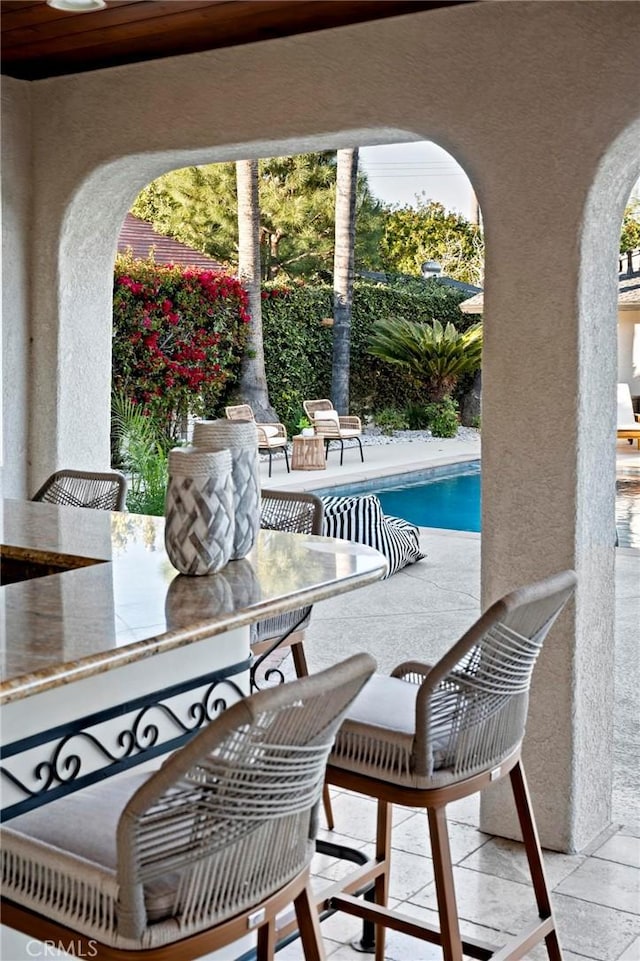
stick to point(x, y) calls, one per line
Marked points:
point(419, 612)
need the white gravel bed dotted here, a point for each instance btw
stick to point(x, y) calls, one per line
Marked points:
point(372, 436)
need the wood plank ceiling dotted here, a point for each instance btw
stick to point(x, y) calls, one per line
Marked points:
point(38, 41)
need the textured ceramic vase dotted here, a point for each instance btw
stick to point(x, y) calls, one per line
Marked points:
point(241, 439)
point(200, 523)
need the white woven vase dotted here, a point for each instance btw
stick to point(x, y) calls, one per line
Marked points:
point(241, 439)
point(199, 526)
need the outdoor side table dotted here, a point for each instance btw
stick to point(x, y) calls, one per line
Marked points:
point(308, 453)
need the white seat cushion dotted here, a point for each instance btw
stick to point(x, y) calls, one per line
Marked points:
point(70, 824)
point(269, 430)
point(328, 415)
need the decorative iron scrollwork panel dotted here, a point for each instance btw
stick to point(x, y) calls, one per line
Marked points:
point(39, 769)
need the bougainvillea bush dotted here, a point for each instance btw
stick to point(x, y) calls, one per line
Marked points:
point(178, 338)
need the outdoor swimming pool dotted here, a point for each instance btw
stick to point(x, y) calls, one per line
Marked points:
point(449, 497)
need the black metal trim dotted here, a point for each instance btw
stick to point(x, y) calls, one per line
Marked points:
point(275, 671)
point(137, 740)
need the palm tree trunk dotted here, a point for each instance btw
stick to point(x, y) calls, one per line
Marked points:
point(346, 181)
point(253, 380)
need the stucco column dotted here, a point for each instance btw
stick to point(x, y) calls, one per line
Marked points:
point(548, 465)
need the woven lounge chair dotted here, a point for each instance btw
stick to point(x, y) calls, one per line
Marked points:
point(198, 854)
point(106, 491)
point(270, 436)
point(430, 735)
point(628, 421)
point(329, 425)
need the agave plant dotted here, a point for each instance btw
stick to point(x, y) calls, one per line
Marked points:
point(436, 355)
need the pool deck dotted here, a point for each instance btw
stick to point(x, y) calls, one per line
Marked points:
point(423, 609)
point(380, 460)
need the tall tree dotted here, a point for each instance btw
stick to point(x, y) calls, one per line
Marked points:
point(253, 380)
point(198, 206)
point(343, 262)
point(430, 232)
point(630, 233)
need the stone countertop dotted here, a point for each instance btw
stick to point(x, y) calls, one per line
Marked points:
point(122, 600)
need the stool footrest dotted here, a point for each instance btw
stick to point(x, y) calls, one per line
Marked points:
point(519, 945)
point(407, 925)
point(516, 947)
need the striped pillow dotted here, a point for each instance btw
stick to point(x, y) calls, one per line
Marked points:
point(361, 519)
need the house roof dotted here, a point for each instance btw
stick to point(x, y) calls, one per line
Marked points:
point(379, 276)
point(141, 239)
point(628, 296)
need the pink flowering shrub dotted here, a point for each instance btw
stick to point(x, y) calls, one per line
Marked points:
point(178, 338)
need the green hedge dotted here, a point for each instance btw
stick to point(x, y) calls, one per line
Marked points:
point(298, 346)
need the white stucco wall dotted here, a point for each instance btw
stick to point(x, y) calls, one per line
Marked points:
point(629, 349)
point(529, 98)
point(16, 283)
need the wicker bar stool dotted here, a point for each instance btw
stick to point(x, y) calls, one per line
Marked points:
point(296, 513)
point(427, 736)
point(105, 491)
point(194, 856)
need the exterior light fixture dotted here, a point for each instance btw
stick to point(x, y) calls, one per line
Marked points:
point(430, 268)
point(77, 6)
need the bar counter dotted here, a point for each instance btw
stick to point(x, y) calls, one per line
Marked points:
point(113, 651)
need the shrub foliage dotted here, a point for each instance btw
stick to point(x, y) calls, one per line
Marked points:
point(298, 343)
point(178, 337)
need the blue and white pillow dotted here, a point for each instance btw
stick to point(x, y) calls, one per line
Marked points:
point(361, 519)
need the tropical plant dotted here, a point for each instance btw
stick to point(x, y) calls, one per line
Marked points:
point(142, 454)
point(416, 416)
point(435, 355)
point(343, 262)
point(253, 379)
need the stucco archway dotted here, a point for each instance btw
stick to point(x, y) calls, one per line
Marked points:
point(84, 293)
point(533, 95)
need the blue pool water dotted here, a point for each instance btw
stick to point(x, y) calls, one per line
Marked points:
point(449, 497)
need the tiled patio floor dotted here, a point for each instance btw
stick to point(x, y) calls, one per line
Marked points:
point(596, 893)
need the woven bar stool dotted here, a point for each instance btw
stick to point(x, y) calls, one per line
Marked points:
point(211, 847)
point(296, 513)
point(105, 491)
point(427, 736)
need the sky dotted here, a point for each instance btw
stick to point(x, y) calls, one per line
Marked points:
point(397, 173)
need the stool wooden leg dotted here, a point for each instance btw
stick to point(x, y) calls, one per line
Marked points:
point(309, 926)
point(534, 854)
point(383, 855)
point(266, 946)
point(445, 890)
point(299, 659)
point(302, 670)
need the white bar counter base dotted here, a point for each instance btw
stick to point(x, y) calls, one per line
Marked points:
point(111, 658)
